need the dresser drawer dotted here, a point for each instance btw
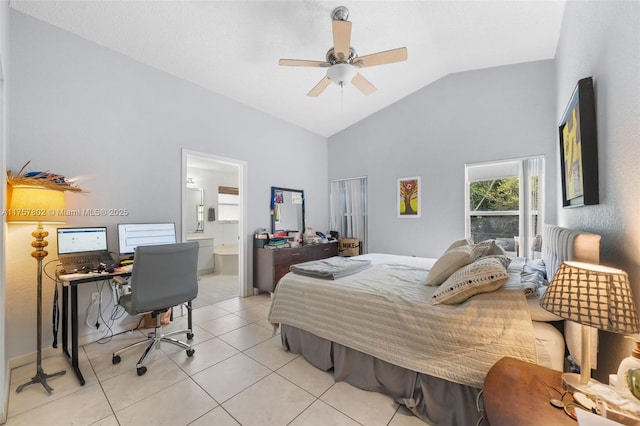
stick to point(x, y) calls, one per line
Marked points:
point(269, 265)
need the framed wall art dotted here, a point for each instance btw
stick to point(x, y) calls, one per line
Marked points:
point(408, 200)
point(579, 148)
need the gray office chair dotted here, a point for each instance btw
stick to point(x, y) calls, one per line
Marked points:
point(162, 276)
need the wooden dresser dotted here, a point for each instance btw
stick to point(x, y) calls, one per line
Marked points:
point(269, 265)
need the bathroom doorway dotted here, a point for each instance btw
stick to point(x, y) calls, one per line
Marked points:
point(216, 222)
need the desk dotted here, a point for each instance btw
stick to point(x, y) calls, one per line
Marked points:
point(514, 394)
point(72, 281)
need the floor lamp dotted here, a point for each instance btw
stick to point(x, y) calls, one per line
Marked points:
point(36, 204)
point(594, 296)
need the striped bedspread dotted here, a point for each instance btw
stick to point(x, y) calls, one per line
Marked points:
point(386, 312)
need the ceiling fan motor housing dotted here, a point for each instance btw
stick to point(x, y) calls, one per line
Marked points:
point(340, 13)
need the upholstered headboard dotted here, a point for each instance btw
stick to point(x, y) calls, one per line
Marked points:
point(560, 244)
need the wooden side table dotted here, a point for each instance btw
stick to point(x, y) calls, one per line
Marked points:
point(516, 393)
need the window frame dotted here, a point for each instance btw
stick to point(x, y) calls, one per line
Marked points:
point(527, 169)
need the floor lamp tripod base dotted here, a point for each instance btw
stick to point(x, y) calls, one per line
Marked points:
point(39, 254)
point(41, 377)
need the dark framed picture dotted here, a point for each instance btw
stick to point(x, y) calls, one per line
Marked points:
point(579, 148)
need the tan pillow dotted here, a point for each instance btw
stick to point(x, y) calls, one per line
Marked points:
point(459, 243)
point(482, 276)
point(451, 261)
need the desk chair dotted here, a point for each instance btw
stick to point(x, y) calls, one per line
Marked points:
point(163, 276)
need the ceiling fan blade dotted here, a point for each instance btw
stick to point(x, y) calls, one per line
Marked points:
point(341, 39)
point(363, 84)
point(303, 63)
point(319, 88)
point(380, 58)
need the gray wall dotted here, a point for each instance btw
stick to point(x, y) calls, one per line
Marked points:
point(601, 39)
point(491, 114)
point(119, 126)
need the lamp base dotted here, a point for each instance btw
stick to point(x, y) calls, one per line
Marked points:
point(41, 377)
point(572, 382)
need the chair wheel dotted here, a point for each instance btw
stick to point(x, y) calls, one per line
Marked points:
point(189, 336)
point(190, 352)
point(116, 359)
point(141, 370)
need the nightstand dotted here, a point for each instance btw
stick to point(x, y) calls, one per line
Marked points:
point(514, 393)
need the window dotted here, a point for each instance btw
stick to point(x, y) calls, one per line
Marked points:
point(228, 204)
point(348, 209)
point(504, 201)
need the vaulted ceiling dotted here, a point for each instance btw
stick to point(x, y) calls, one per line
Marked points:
point(233, 47)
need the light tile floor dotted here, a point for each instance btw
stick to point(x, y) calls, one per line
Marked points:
point(240, 374)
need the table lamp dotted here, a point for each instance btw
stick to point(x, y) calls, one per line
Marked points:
point(37, 204)
point(593, 296)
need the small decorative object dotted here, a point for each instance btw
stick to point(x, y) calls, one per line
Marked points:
point(408, 201)
point(578, 148)
point(632, 361)
point(632, 377)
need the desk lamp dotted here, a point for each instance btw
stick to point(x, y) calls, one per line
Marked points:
point(593, 296)
point(37, 199)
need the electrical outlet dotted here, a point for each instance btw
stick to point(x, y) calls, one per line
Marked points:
point(95, 296)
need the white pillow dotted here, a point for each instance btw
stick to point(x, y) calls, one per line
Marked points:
point(482, 276)
point(451, 261)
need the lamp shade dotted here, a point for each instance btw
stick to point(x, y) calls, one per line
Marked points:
point(28, 204)
point(592, 295)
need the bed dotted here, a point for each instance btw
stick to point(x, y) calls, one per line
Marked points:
point(381, 329)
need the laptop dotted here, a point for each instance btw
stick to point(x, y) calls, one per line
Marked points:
point(83, 249)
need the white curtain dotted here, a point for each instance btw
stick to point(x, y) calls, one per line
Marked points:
point(533, 170)
point(348, 209)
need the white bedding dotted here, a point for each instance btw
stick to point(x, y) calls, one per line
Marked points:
point(386, 312)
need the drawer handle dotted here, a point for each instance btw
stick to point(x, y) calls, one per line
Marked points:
point(295, 254)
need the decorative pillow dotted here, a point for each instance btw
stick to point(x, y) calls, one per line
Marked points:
point(504, 259)
point(492, 248)
point(482, 276)
point(459, 243)
point(451, 261)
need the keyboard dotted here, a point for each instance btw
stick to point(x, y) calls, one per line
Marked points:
point(86, 259)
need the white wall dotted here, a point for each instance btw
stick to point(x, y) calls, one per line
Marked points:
point(4, 71)
point(119, 126)
point(474, 116)
point(601, 39)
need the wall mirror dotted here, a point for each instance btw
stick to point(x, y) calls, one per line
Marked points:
point(287, 210)
point(195, 210)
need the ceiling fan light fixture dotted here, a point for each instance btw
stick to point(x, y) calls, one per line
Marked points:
point(341, 74)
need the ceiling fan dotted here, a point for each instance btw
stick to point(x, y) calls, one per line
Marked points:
point(342, 60)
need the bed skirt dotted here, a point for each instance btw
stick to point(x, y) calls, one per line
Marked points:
point(434, 400)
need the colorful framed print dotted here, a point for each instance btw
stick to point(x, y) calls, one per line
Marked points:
point(578, 148)
point(408, 202)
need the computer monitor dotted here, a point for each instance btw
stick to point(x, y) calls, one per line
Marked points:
point(81, 240)
point(132, 235)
